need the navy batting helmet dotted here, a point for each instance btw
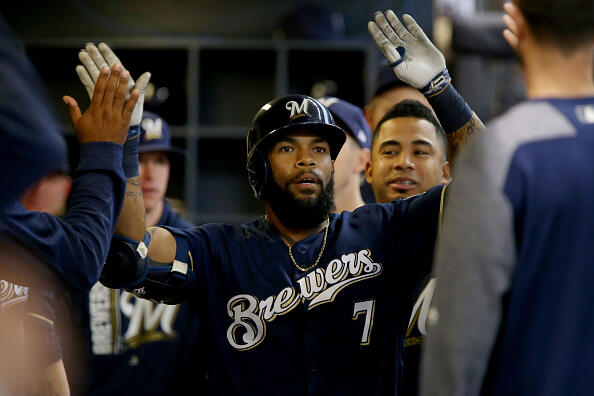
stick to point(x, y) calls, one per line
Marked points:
point(282, 116)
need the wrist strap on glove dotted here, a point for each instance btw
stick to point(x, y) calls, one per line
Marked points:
point(437, 84)
point(451, 109)
point(130, 155)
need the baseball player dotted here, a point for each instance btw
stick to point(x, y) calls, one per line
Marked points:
point(155, 349)
point(418, 63)
point(71, 249)
point(410, 148)
point(353, 156)
point(512, 309)
point(408, 158)
point(243, 278)
point(301, 300)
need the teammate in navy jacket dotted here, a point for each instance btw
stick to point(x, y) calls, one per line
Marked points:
point(30, 142)
point(156, 349)
point(74, 246)
point(513, 306)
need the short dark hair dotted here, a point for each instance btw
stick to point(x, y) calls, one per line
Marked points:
point(414, 108)
point(565, 23)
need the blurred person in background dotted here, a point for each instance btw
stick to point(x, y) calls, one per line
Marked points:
point(45, 256)
point(30, 140)
point(512, 311)
point(388, 91)
point(50, 194)
point(350, 163)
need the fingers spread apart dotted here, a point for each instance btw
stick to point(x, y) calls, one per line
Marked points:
point(387, 48)
point(99, 90)
point(121, 91)
point(112, 84)
point(414, 28)
point(388, 30)
point(89, 64)
point(85, 79)
point(112, 59)
point(402, 32)
point(95, 55)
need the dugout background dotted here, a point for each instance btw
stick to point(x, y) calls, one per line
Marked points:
point(214, 64)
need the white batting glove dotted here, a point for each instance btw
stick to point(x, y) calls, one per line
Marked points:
point(414, 58)
point(93, 59)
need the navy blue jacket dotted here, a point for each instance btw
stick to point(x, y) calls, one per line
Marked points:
point(75, 246)
point(30, 143)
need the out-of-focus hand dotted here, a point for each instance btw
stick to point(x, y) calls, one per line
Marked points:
point(108, 116)
point(509, 18)
point(413, 56)
point(93, 58)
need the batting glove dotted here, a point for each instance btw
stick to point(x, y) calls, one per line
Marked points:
point(414, 58)
point(93, 59)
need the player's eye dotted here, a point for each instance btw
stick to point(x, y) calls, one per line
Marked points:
point(320, 149)
point(421, 152)
point(285, 149)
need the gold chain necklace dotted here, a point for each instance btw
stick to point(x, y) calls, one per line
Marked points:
point(291, 250)
point(319, 255)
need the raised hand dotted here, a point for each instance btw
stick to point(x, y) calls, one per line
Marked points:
point(413, 56)
point(108, 116)
point(93, 58)
point(509, 18)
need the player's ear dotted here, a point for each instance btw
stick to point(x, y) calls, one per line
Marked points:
point(446, 175)
point(369, 172)
point(361, 161)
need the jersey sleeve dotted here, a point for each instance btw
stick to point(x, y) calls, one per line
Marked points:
point(422, 220)
point(474, 261)
point(76, 245)
point(30, 142)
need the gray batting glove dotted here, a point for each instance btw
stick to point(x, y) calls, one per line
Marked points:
point(93, 59)
point(414, 58)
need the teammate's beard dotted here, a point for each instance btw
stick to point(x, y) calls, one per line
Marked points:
point(299, 214)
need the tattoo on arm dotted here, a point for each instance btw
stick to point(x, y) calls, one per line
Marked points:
point(133, 195)
point(456, 140)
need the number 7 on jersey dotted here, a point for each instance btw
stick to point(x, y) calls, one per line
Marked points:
point(367, 308)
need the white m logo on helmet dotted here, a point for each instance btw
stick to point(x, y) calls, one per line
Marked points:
point(296, 109)
point(153, 128)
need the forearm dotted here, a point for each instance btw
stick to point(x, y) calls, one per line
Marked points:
point(76, 245)
point(131, 222)
point(456, 140)
point(456, 117)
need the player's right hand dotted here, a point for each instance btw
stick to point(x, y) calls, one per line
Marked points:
point(93, 58)
point(108, 116)
point(415, 59)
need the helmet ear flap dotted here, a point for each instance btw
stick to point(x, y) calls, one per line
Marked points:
point(258, 173)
